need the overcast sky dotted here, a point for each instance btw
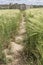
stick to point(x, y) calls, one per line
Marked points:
point(34, 2)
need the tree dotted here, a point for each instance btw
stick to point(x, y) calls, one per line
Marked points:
point(10, 6)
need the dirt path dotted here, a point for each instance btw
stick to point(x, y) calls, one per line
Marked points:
point(16, 47)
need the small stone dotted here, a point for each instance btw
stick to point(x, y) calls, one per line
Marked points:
point(15, 48)
point(18, 39)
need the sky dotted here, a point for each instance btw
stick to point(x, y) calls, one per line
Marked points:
point(29, 2)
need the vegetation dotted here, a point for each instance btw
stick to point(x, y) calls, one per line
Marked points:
point(34, 28)
point(9, 24)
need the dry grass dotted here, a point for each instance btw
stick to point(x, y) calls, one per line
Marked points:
point(9, 24)
point(34, 27)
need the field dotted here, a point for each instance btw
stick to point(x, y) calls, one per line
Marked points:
point(34, 28)
point(18, 27)
point(9, 24)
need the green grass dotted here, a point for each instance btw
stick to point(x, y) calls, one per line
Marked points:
point(34, 28)
point(9, 24)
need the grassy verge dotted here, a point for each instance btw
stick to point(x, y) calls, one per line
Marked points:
point(9, 24)
point(34, 28)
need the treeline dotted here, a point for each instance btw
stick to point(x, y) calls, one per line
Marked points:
point(37, 6)
point(13, 6)
point(19, 6)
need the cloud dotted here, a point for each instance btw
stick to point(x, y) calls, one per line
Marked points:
point(37, 2)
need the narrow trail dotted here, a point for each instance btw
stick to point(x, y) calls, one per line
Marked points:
point(17, 47)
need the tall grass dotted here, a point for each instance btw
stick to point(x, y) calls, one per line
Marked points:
point(9, 24)
point(34, 28)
